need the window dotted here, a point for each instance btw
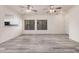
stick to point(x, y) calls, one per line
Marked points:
point(29, 24)
point(41, 24)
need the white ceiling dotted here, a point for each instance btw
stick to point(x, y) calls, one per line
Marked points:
point(42, 9)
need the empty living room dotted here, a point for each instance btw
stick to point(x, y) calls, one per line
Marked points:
point(39, 28)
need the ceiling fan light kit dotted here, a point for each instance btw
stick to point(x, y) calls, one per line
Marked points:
point(54, 10)
point(28, 10)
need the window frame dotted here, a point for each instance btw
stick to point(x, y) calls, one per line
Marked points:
point(42, 27)
point(28, 25)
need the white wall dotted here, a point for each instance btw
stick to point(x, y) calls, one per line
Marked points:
point(66, 24)
point(9, 32)
point(55, 24)
point(73, 17)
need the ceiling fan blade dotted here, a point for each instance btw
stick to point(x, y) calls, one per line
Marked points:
point(21, 6)
point(58, 7)
point(34, 10)
point(26, 6)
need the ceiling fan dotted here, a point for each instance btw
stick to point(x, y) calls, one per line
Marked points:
point(54, 10)
point(28, 8)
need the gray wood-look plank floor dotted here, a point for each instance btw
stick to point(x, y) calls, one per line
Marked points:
point(40, 44)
